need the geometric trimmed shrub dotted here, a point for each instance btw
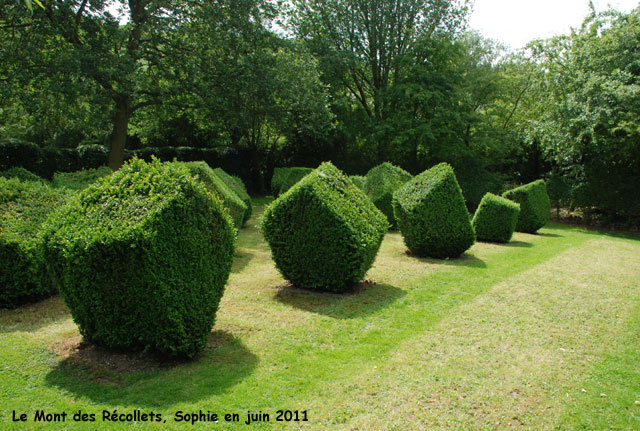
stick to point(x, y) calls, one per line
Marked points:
point(236, 184)
point(358, 180)
point(276, 180)
point(141, 259)
point(292, 176)
point(535, 206)
point(432, 215)
point(495, 219)
point(24, 206)
point(380, 183)
point(324, 233)
point(217, 186)
point(79, 180)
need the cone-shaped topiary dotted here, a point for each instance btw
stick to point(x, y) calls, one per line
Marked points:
point(358, 180)
point(24, 206)
point(141, 259)
point(380, 183)
point(495, 219)
point(236, 184)
point(535, 206)
point(432, 216)
point(324, 233)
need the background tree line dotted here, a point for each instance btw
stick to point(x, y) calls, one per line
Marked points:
point(269, 83)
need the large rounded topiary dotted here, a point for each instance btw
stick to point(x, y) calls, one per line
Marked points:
point(380, 183)
point(432, 216)
point(495, 219)
point(535, 206)
point(141, 259)
point(324, 233)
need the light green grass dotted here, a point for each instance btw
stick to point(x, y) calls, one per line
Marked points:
point(508, 336)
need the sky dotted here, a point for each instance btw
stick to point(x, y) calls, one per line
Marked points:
point(517, 22)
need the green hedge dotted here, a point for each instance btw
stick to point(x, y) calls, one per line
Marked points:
point(495, 219)
point(214, 184)
point(324, 233)
point(238, 187)
point(380, 184)
point(358, 180)
point(293, 176)
point(79, 180)
point(141, 259)
point(21, 174)
point(535, 206)
point(432, 216)
point(279, 175)
point(24, 206)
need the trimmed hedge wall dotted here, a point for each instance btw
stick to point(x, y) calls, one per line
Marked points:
point(432, 216)
point(24, 206)
point(535, 206)
point(79, 180)
point(358, 180)
point(216, 185)
point(236, 184)
point(141, 259)
point(380, 184)
point(495, 219)
point(292, 177)
point(324, 233)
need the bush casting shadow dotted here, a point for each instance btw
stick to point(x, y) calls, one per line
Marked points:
point(519, 244)
point(142, 380)
point(366, 298)
point(465, 259)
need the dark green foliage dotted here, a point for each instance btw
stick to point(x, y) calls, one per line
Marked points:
point(141, 259)
point(236, 184)
point(79, 180)
point(216, 185)
point(535, 206)
point(21, 174)
point(292, 177)
point(475, 182)
point(432, 216)
point(380, 184)
point(358, 180)
point(277, 179)
point(14, 152)
point(24, 206)
point(495, 219)
point(324, 233)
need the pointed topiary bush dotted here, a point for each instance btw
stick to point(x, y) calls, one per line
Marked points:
point(535, 206)
point(380, 183)
point(495, 219)
point(324, 233)
point(432, 216)
point(141, 259)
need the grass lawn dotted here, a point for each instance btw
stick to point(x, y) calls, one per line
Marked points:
point(541, 333)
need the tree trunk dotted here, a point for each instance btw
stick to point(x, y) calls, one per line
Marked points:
point(118, 138)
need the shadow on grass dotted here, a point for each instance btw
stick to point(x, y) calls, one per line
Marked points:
point(366, 298)
point(33, 317)
point(548, 235)
point(240, 261)
point(142, 380)
point(518, 244)
point(465, 259)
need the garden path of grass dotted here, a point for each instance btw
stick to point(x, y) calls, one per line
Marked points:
point(507, 336)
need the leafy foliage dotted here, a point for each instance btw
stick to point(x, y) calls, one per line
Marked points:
point(380, 184)
point(324, 233)
point(495, 219)
point(237, 186)
point(292, 177)
point(358, 180)
point(21, 174)
point(24, 206)
point(432, 216)
point(535, 206)
point(79, 180)
point(169, 247)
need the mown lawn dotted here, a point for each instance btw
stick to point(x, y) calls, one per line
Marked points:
point(542, 333)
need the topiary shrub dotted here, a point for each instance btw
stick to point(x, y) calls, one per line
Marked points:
point(214, 184)
point(141, 259)
point(535, 206)
point(293, 176)
point(24, 206)
point(79, 180)
point(276, 180)
point(495, 219)
point(380, 184)
point(358, 180)
point(432, 216)
point(21, 174)
point(324, 233)
point(236, 184)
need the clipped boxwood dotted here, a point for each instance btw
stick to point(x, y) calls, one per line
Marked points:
point(277, 179)
point(21, 174)
point(495, 219)
point(432, 216)
point(358, 180)
point(141, 259)
point(293, 176)
point(216, 185)
point(236, 184)
point(79, 180)
point(380, 184)
point(324, 233)
point(24, 206)
point(535, 206)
